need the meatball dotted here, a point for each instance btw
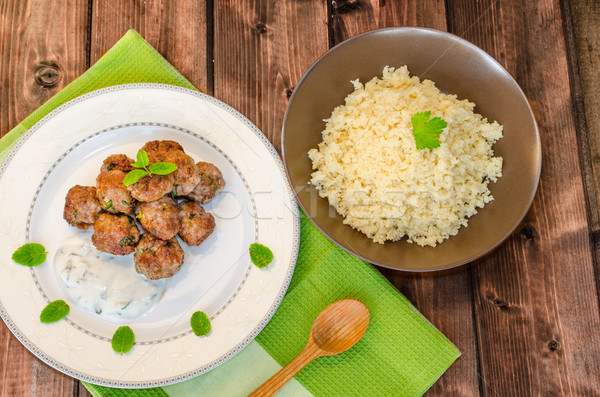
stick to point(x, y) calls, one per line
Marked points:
point(159, 217)
point(196, 224)
point(157, 149)
point(211, 183)
point(151, 187)
point(113, 195)
point(81, 206)
point(186, 176)
point(156, 258)
point(115, 234)
point(117, 162)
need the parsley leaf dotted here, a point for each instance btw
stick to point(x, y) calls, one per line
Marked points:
point(122, 340)
point(260, 255)
point(33, 254)
point(54, 311)
point(200, 323)
point(426, 131)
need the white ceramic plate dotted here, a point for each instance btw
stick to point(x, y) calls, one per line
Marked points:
point(67, 148)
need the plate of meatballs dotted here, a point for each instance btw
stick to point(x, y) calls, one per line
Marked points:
point(148, 251)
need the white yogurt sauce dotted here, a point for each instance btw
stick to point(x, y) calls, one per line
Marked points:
point(105, 284)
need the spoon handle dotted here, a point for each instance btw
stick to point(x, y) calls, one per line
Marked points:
point(276, 382)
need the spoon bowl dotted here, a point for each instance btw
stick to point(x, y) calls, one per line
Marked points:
point(340, 326)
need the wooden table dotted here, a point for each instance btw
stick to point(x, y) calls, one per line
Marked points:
point(526, 317)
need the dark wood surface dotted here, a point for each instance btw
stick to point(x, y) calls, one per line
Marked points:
point(526, 317)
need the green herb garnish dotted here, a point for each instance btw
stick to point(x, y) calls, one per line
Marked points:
point(142, 168)
point(32, 254)
point(127, 240)
point(260, 255)
point(109, 204)
point(426, 131)
point(54, 311)
point(142, 159)
point(122, 340)
point(162, 168)
point(200, 324)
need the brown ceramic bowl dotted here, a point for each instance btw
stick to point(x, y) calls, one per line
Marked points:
point(457, 67)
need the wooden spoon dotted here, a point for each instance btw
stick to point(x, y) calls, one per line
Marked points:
point(335, 330)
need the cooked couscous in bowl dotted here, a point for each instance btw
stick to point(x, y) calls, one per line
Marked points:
point(369, 168)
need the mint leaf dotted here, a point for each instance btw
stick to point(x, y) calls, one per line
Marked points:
point(122, 340)
point(162, 168)
point(54, 311)
point(200, 323)
point(134, 176)
point(260, 255)
point(142, 159)
point(32, 254)
point(426, 131)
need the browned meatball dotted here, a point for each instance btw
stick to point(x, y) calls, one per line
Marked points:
point(81, 206)
point(156, 258)
point(211, 183)
point(196, 224)
point(159, 217)
point(117, 162)
point(151, 187)
point(115, 234)
point(113, 195)
point(157, 149)
point(186, 175)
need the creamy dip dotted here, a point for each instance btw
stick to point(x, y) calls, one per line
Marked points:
point(104, 284)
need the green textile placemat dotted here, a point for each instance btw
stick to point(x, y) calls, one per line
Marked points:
point(401, 354)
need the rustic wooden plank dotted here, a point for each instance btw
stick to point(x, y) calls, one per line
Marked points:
point(536, 299)
point(261, 51)
point(581, 20)
point(178, 30)
point(446, 301)
point(350, 18)
point(35, 63)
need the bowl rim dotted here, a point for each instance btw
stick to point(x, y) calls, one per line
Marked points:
point(471, 46)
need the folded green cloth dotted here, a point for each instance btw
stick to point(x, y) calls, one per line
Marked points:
point(401, 354)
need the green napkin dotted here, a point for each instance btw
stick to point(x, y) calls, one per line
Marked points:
point(401, 354)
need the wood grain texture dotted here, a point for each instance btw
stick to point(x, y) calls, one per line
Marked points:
point(262, 48)
point(35, 63)
point(581, 21)
point(446, 301)
point(536, 308)
point(178, 30)
point(352, 17)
